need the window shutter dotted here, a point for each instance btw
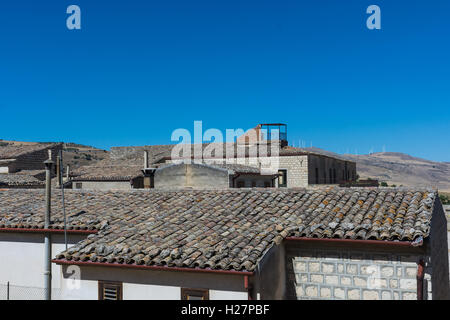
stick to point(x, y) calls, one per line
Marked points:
point(110, 290)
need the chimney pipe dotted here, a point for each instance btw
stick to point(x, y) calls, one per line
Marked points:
point(48, 240)
point(145, 159)
point(68, 172)
point(58, 170)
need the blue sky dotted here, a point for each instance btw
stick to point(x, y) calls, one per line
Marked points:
point(137, 70)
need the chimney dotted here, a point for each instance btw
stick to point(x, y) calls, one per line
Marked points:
point(48, 240)
point(58, 170)
point(145, 159)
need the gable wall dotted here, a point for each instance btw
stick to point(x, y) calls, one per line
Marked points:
point(348, 272)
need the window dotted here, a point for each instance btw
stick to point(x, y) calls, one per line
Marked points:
point(317, 175)
point(282, 178)
point(267, 184)
point(194, 294)
point(109, 290)
point(78, 185)
point(241, 184)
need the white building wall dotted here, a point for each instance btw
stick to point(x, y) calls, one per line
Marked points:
point(22, 264)
point(150, 284)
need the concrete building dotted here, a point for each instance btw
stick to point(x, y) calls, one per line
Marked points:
point(322, 243)
point(204, 176)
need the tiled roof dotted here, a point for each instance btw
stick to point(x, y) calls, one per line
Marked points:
point(107, 170)
point(219, 229)
point(232, 168)
point(157, 153)
point(12, 151)
point(25, 178)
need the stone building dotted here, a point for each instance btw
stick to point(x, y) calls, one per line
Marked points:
point(203, 176)
point(322, 243)
point(26, 157)
point(296, 167)
point(106, 175)
point(26, 179)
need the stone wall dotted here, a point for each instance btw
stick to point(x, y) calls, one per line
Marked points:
point(296, 166)
point(297, 170)
point(340, 170)
point(34, 160)
point(191, 175)
point(352, 274)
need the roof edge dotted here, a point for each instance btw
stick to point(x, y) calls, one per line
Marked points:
point(361, 241)
point(38, 230)
point(154, 267)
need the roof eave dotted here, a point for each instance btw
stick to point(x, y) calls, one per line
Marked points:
point(154, 267)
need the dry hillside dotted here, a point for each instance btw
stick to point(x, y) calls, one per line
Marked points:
point(74, 154)
point(402, 169)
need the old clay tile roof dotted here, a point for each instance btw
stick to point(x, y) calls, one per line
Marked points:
point(13, 151)
point(24, 178)
point(228, 229)
point(106, 172)
point(160, 153)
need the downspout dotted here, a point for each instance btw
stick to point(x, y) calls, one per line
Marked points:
point(420, 276)
point(248, 288)
point(48, 238)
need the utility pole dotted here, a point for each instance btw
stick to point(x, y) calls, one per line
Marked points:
point(48, 238)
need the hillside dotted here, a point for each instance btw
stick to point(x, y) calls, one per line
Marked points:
point(398, 168)
point(75, 155)
point(390, 167)
point(402, 169)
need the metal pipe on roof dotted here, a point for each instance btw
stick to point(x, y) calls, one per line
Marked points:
point(145, 159)
point(48, 238)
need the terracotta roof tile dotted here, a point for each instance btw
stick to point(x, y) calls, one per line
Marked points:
point(219, 229)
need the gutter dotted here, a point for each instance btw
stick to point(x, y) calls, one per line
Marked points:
point(382, 242)
point(32, 230)
point(145, 267)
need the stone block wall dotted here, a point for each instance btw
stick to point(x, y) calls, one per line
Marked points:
point(34, 160)
point(296, 166)
point(297, 170)
point(340, 170)
point(354, 275)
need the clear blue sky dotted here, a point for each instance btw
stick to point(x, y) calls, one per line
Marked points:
point(137, 70)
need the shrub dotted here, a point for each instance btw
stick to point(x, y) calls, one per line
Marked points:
point(445, 199)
